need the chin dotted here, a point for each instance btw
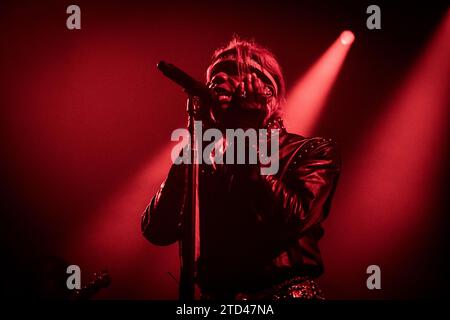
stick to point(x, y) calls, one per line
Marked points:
point(224, 106)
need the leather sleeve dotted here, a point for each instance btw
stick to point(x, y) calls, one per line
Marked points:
point(302, 196)
point(160, 222)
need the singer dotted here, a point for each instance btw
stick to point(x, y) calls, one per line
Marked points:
point(259, 233)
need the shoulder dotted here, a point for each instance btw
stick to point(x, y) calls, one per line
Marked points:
point(298, 144)
point(299, 150)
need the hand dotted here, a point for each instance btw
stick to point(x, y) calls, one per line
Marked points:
point(251, 93)
point(250, 104)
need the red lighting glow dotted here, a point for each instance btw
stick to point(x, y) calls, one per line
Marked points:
point(347, 37)
point(306, 100)
point(394, 177)
point(112, 237)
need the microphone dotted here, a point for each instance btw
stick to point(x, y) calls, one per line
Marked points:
point(188, 83)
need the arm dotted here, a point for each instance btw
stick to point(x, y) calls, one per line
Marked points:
point(160, 222)
point(301, 198)
point(304, 198)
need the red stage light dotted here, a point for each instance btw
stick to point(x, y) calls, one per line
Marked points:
point(306, 100)
point(112, 237)
point(394, 178)
point(347, 37)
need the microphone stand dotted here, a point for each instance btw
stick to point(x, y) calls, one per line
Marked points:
point(190, 239)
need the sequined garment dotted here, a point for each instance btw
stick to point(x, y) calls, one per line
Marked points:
point(300, 288)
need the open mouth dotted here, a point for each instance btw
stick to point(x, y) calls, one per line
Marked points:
point(222, 92)
point(223, 95)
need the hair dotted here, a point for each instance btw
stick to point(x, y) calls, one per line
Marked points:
point(242, 48)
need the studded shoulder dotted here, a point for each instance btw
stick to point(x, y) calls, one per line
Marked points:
point(312, 147)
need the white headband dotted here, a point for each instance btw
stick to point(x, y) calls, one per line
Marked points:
point(250, 62)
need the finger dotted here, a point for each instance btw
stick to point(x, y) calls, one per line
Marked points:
point(240, 88)
point(240, 91)
point(258, 88)
point(249, 87)
point(256, 82)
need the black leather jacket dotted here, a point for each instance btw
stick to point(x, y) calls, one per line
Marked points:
point(256, 230)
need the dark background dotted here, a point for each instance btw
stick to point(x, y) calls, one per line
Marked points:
point(85, 116)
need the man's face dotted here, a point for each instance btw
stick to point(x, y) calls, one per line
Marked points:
point(244, 90)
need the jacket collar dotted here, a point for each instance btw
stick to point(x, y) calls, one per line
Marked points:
point(275, 123)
